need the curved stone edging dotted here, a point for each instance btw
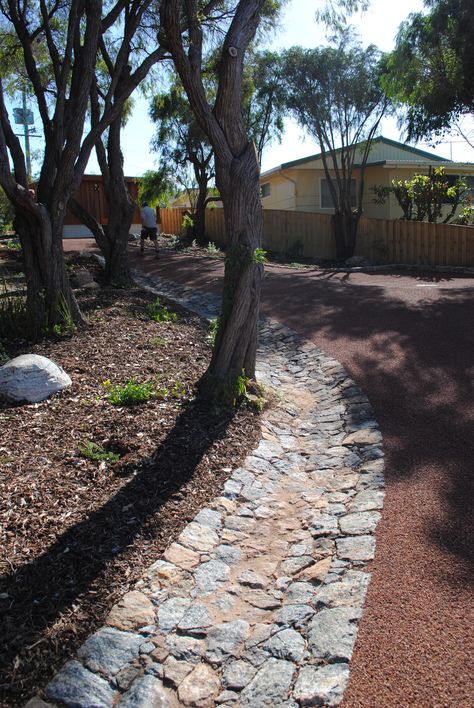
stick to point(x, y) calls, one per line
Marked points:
point(257, 603)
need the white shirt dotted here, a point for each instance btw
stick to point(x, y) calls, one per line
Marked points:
point(148, 217)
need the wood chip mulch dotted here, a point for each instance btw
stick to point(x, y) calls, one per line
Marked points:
point(76, 534)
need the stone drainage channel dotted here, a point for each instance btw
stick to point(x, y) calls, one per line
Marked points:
point(257, 603)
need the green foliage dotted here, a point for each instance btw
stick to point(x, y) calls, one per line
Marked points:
point(160, 313)
point(158, 342)
point(6, 212)
point(430, 72)
point(4, 355)
point(188, 223)
point(130, 394)
point(97, 453)
point(212, 331)
point(229, 390)
point(13, 244)
point(66, 323)
point(213, 251)
point(260, 256)
point(425, 197)
point(156, 187)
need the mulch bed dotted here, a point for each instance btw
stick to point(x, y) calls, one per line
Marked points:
point(76, 534)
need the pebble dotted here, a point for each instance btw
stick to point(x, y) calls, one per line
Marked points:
point(257, 602)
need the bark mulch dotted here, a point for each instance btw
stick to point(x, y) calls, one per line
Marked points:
point(77, 533)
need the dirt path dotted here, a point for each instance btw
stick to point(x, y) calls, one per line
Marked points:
point(408, 342)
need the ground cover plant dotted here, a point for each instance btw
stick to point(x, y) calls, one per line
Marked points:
point(92, 492)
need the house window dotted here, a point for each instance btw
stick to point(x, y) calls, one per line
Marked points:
point(326, 196)
point(265, 190)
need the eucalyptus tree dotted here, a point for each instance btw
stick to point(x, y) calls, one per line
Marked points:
point(181, 143)
point(335, 94)
point(431, 71)
point(237, 174)
point(62, 76)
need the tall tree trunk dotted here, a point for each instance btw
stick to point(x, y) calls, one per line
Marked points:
point(236, 341)
point(50, 300)
point(199, 227)
point(345, 231)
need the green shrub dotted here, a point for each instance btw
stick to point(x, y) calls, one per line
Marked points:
point(131, 394)
point(213, 250)
point(213, 329)
point(160, 313)
point(97, 453)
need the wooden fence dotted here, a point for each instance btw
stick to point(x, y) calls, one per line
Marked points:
point(380, 241)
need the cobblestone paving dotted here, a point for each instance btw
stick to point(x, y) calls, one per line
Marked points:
point(257, 603)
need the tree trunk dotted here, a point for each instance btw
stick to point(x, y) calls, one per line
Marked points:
point(50, 300)
point(199, 227)
point(345, 231)
point(236, 341)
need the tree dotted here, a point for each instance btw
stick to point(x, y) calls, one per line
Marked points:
point(237, 175)
point(335, 94)
point(181, 142)
point(430, 72)
point(70, 36)
point(432, 197)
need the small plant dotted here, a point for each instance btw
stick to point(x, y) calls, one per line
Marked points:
point(158, 342)
point(95, 452)
point(212, 331)
point(4, 355)
point(194, 243)
point(13, 244)
point(178, 390)
point(230, 389)
point(160, 313)
point(213, 250)
point(66, 324)
point(260, 256)
point(131, 394)
point(187, 223)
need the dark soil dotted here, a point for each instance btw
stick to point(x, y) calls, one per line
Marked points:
point(76, 534)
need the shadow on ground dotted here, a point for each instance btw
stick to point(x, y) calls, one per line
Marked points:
point(78, 558)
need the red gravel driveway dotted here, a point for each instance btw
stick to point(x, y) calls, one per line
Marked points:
point(408, 342)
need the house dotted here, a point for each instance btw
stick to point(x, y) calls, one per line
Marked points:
point(301, 185)
point(91, 196)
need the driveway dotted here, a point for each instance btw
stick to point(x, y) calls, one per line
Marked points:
point(408, 341)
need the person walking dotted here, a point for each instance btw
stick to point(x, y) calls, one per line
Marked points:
point(149, 226)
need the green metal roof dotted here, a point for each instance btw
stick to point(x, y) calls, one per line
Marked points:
point(381, 139)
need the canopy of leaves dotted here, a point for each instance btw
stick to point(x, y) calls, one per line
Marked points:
point(431, 70)
point(335, 92)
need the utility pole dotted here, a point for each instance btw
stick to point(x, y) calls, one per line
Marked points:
point(23, 116)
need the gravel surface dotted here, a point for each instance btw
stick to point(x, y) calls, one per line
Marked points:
point(408, 342)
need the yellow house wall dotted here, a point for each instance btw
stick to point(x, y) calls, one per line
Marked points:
point(282, 192)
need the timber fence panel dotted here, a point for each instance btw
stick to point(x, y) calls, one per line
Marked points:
point(310, 235)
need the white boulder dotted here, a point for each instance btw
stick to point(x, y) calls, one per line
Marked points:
point(31, 378)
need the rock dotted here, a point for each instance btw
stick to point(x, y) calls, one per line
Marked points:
point(293, 566)
point(185, 648)
point(317, 572)
point(81, 278)
point(262, 600)
point(31, 378)
point(176, 671)
point(182, 557)
point(228, 554)
point(360, 523)
point(133, 611)
point(350, 591)
point(270, 686)
point(148, 692)
point(37, 702)
point(227, 697)
point(171, 612)
point(251, 579)
point(109, 649)
point(321, 686)
point(293, 614)
point(356, 548)
point(210, 518)
point(200, 687)
point(76, 686)
point(286, 644)
point(226, 639)
point(195, 621)
point(324, 525)
point(367, 501)
point(209, 576)
point(363, 437)
point(332, 634)
point(238, 674)
point(162, 573)
point(198, 538)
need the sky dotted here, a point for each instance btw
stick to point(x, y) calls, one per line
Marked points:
point(298, 26)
